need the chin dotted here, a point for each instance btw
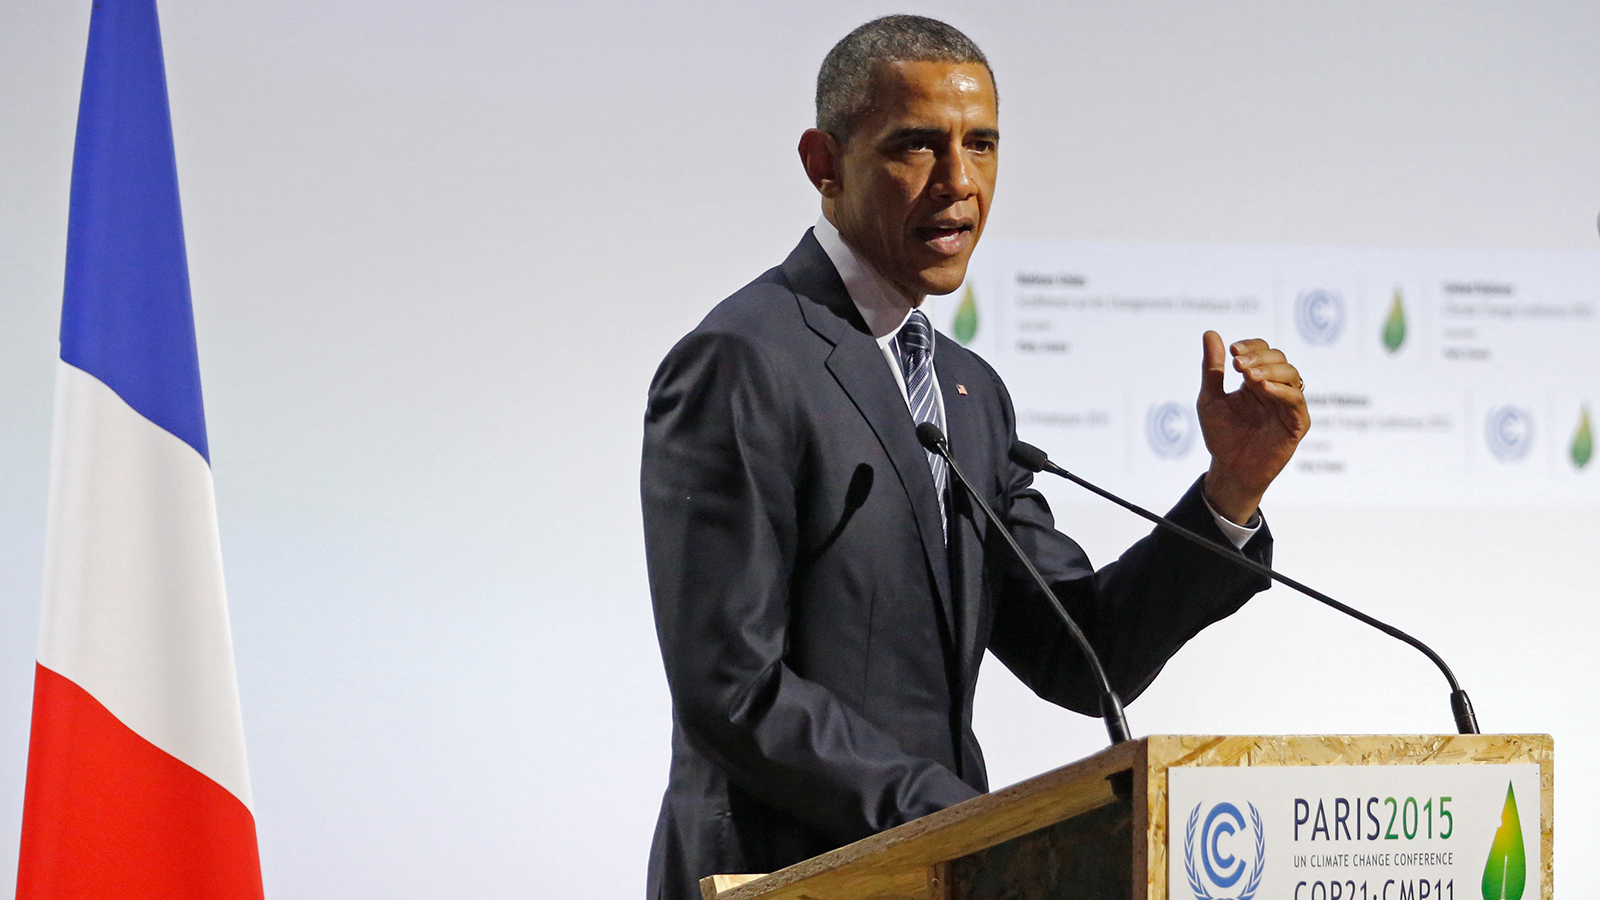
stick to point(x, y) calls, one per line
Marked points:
point(943, 281)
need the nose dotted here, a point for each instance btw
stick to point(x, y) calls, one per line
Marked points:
point(953, 176)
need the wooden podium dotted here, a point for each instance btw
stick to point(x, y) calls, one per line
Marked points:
point(1098, 828)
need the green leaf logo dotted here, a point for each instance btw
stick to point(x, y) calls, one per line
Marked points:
point(1394, 329)
point(1583, 441)
point(965, 325)
point(1506, 872)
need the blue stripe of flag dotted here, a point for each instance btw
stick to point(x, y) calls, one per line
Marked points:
point(126, 318)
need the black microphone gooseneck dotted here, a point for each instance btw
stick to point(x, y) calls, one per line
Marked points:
point(1035, 460)
point(1110, 704)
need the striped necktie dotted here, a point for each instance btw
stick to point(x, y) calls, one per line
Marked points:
point(914, 349)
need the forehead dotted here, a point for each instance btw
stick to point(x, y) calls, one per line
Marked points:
point(932, 91)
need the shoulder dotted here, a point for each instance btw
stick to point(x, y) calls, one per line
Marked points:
point(751, 327)
point(791, 314)
point(752, 341)
point(765, 308)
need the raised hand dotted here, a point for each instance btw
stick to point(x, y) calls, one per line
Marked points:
point(1253, 431)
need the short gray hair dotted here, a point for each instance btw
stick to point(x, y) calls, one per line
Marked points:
point(844, 84)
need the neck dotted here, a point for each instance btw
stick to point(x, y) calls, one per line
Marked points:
point(912, 299)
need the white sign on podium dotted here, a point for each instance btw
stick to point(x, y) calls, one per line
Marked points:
point(1438, 832)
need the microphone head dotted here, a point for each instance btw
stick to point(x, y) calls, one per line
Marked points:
point(931, 437)
point(1028, 456)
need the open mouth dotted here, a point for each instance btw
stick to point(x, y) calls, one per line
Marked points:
point(946, 239)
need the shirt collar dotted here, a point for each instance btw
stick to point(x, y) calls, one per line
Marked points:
point(882, 306)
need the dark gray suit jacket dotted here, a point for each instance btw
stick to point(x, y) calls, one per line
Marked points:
point(821, 641)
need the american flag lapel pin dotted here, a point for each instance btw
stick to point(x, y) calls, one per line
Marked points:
point(961, 389)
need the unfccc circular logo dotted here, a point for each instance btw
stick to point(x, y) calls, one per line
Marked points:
point(1319, 314)
point(1224, 856)
point(1509, 433)
point(1169, 429)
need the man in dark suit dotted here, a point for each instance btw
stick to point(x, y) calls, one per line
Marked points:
point(823, 595)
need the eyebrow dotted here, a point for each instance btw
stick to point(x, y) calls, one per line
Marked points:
point(906, 134)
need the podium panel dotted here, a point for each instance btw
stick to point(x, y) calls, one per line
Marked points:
point(1183, 817)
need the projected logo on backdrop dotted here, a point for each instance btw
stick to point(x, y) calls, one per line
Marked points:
point(1394, 327)
point(1582, 440)
point(1170, 429)
point(1319, 315)
point(964, 327)
point(1215, 854)
point(1509, 433)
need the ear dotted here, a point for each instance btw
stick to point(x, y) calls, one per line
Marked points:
point(820, 155)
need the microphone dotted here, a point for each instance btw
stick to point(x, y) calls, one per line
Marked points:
point(1110, 704)
point(1035, 460)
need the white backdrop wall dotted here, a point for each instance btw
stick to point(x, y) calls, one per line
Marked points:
point(437, 250)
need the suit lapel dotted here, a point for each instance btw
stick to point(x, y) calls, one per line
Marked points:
point(967, 442)
point(861, 370)
point(858, 365)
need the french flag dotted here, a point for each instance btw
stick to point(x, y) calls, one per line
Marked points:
point(137, 783)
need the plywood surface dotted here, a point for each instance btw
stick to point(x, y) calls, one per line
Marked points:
point(894, 865)
point(1086, 857)
point(712, 885)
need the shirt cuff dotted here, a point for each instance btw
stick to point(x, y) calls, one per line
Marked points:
point(1238, 534)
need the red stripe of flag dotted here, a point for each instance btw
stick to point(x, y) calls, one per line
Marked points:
point(110, 815)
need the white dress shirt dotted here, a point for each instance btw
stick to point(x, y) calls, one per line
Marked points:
point(884, 308)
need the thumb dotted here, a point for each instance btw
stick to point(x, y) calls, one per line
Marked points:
point(1213, 363)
